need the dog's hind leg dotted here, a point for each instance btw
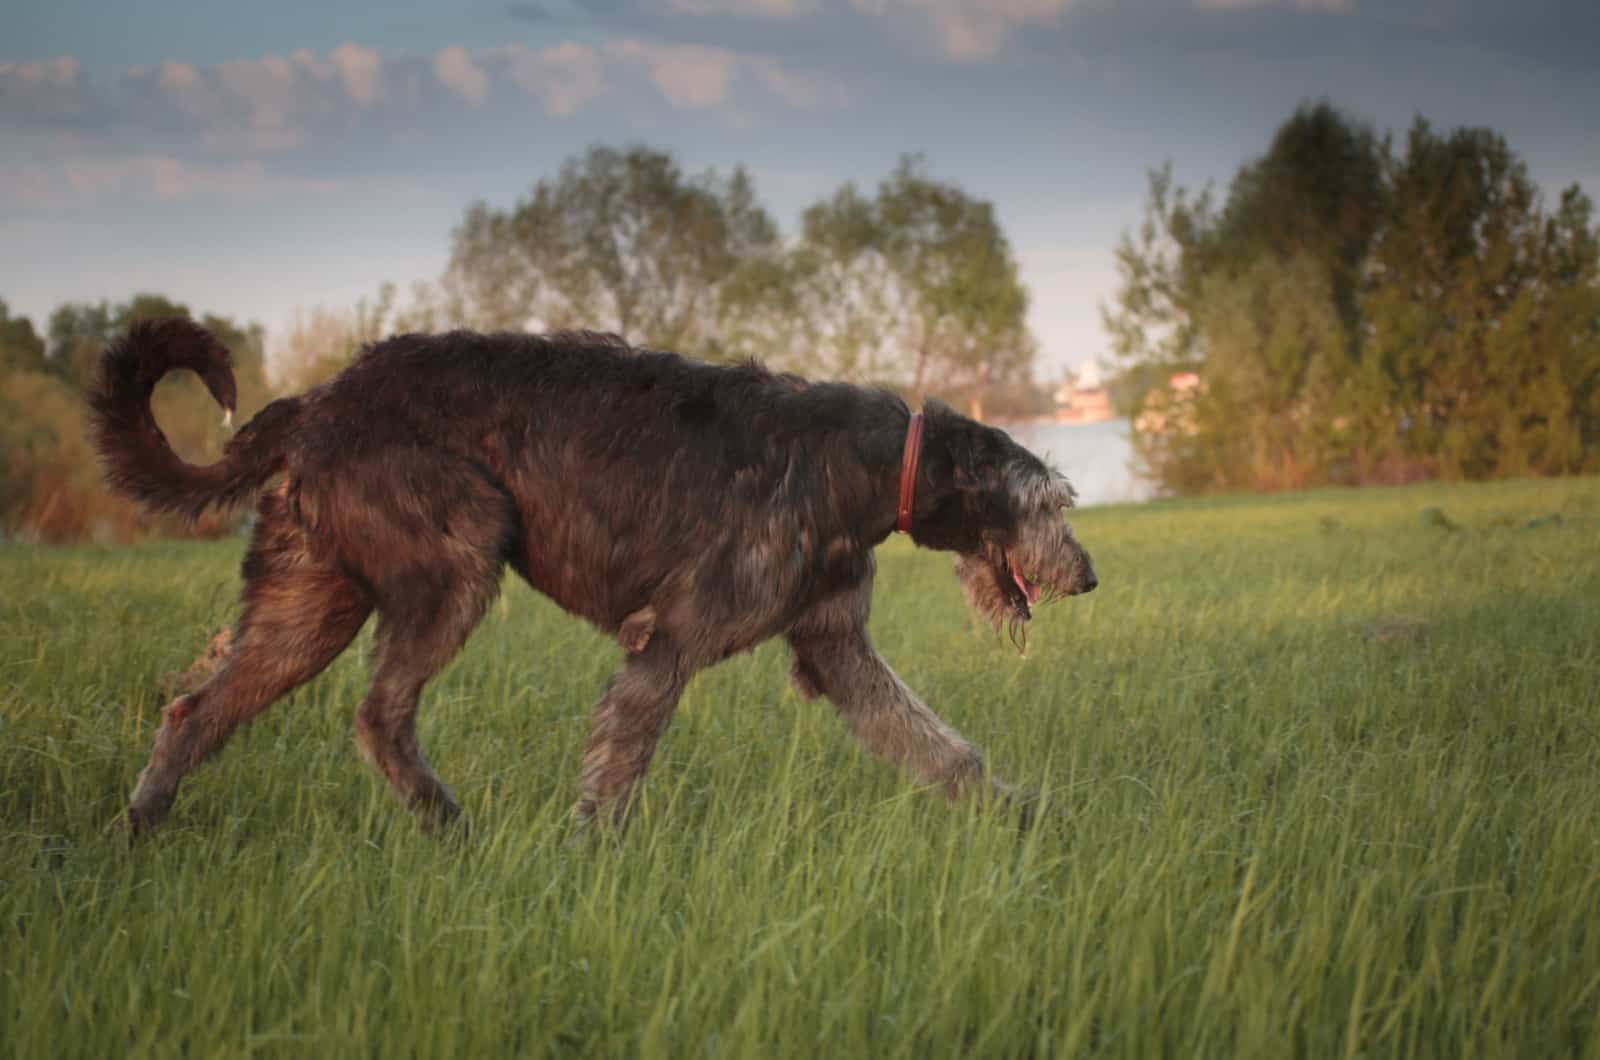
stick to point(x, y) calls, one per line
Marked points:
point(413, 645)
point(432, 584)
point(625, 728)
point(299, 614)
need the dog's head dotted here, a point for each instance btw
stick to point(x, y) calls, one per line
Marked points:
point(1001, 510)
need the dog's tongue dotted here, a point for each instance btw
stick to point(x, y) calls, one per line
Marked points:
point(1030, 591)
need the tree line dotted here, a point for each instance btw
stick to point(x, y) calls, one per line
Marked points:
point(1353, 310)
point(1360, 311)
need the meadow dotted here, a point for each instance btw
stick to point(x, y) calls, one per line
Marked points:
point(1322, 778)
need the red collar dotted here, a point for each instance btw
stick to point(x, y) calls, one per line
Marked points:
point(908, 472)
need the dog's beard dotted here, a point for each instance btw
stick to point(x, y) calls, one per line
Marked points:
point(1004, 582)
point(993, 593)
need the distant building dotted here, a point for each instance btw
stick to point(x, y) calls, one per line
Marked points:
point(1082, 404)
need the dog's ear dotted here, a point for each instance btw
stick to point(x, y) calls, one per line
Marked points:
point(950, 442)
point(975, 452)
point(963, 458)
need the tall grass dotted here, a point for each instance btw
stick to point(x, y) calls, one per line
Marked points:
point(1323, 773)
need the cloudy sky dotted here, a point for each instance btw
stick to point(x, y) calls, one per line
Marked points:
point(253, 158)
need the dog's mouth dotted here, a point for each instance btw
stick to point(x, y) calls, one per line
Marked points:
point(1004, 582)
point(1022, 593)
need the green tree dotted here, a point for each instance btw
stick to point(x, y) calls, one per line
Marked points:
point(1154, 322)
point(966, 311)
point(1357, 315)
point(21, 348)
point(832, 305)
point(1317, 195)
point(915, 284)
point(1276, 352)
point(320, 342)
point(619, 240)
point(1483, 333)
point(77, 334)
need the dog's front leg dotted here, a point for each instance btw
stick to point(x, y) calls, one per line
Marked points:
point(883, 713)
point(627, 723)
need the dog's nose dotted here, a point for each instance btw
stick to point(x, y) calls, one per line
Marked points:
point(1090, 582)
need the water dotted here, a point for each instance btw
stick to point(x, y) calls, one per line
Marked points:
point(1097, 457)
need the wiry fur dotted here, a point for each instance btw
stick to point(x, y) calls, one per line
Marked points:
point(137, 459)
point(1041, 547)
point(689, 510)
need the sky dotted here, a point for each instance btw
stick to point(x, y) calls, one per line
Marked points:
point(255, 159)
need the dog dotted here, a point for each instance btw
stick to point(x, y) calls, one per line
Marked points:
point(690, 510)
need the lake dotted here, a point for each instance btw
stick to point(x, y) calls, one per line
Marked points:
point(1097, 457)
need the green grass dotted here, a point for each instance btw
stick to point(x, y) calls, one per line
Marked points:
point(1325, 775)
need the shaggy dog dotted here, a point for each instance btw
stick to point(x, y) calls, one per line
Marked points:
point(691, 510)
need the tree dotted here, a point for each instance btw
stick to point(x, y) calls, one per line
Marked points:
point(21, 348)
point(1154, 324)
point(320, 342)
point(965, 317)
point(1317, 195)
point(832, 305)
point(78, 332)
point(916, 283)
point(1482, 314)
point(1276, 352)
point(619, 240)
point(1352, 314)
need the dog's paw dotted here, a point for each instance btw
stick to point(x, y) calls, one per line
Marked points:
point(143, 815)
point(1024, 806)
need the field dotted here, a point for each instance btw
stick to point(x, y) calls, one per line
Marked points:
point(1322, 771)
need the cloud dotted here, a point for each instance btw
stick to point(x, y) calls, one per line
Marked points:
point(801, 91)
point(967, 30)
point(688, 75)
point(273, 104)
point(63, 69)
point(361, 69)
point(563, 78)
point(259, 105)
point(755, 8)
point(187, 87)
point(1332, 7)
point(270, 90)
point(79, 181)
point(456, 70)
point(697, 76)
point(44, 92)
point(528, 11)
point(636, 10)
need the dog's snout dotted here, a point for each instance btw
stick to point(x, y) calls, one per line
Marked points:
point(1090, 582)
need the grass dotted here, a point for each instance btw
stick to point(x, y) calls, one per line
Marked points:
point(1324, 772)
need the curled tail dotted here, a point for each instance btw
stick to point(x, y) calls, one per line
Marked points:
point(137, 458)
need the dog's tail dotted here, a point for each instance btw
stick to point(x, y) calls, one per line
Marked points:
point(136, 456)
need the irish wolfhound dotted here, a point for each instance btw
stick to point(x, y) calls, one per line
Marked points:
point(691, 510)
